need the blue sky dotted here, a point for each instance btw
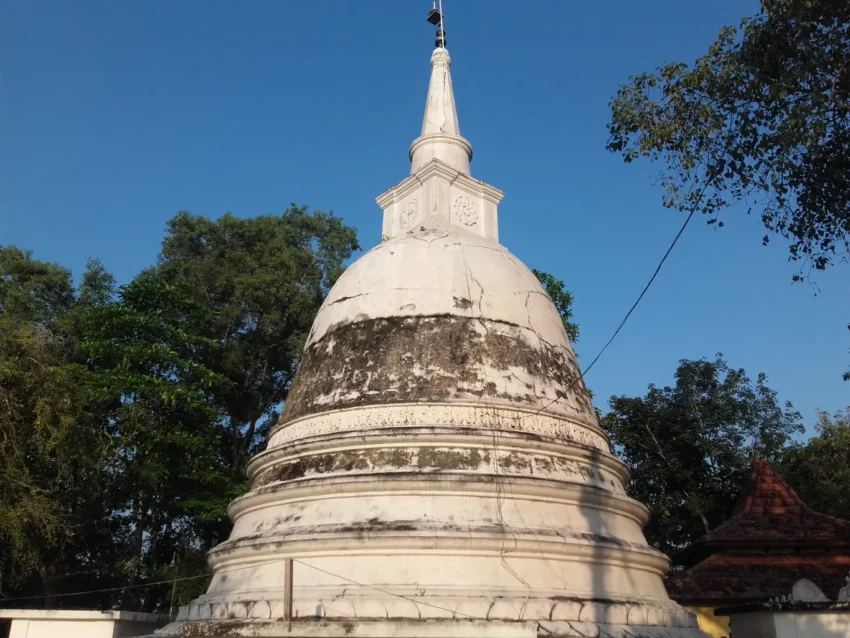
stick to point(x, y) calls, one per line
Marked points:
point(115, 115)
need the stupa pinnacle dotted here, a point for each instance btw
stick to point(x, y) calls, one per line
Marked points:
point(440, 138)
point(437, 469)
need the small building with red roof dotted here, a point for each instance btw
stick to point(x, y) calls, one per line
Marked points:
point(772, 540)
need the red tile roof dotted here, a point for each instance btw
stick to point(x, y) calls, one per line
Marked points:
point(765, 492)
point(772, 540)
point(723, 579)
point(770, 514)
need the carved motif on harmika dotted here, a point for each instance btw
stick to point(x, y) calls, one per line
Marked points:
point(409, 214)
point(465, 210)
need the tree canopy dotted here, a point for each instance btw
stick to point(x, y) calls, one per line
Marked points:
point(762, 118)
point(820, 469)
point(127, 416)
point(51, 444)
point(689, 445)
point(563, 300)
point(169, 482)
point(263, 279)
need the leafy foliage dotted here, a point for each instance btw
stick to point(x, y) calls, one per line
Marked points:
point(689, 445)
point(563, 300)
point(263, 279)
point(126, 418)
point(820, 469)
point(169, 481)
point(32, 290)
point(764, 118)
point(766, 110)
point(51, 445)
point(39, 448)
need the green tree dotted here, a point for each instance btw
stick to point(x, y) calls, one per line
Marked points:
point(170, 483)
point(820, 469)
point(193, 360)
point(688, 446)
point(563, 300)
point(126, 419)
point(33, 290)
point(263, 279)
point(39, 405)
point(51, 444)
point(762, 118)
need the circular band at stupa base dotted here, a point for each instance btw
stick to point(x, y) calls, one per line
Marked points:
point(402, 618)
point(495, 417)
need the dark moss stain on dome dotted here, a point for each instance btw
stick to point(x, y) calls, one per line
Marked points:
point(344, 461)
point(418, 359)
point(375, 460)
point(446, 459)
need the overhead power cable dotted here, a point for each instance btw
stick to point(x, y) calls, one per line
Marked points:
point(640, 297)
point(139, 586)
point(642, 292)
point(271, 562)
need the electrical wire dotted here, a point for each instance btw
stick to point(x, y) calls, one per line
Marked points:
point(640, 297)
point(383, 591)
point(223, 571)
point(140, 585)
point(643, 292)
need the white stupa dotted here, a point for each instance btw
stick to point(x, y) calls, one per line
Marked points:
point(438, 469)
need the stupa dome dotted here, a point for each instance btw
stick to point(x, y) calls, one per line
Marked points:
point(439, 316)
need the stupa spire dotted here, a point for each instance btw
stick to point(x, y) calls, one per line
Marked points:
point(440, 137)
point(440, 109)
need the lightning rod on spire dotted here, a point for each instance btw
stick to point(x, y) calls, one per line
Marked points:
point(435, 17)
